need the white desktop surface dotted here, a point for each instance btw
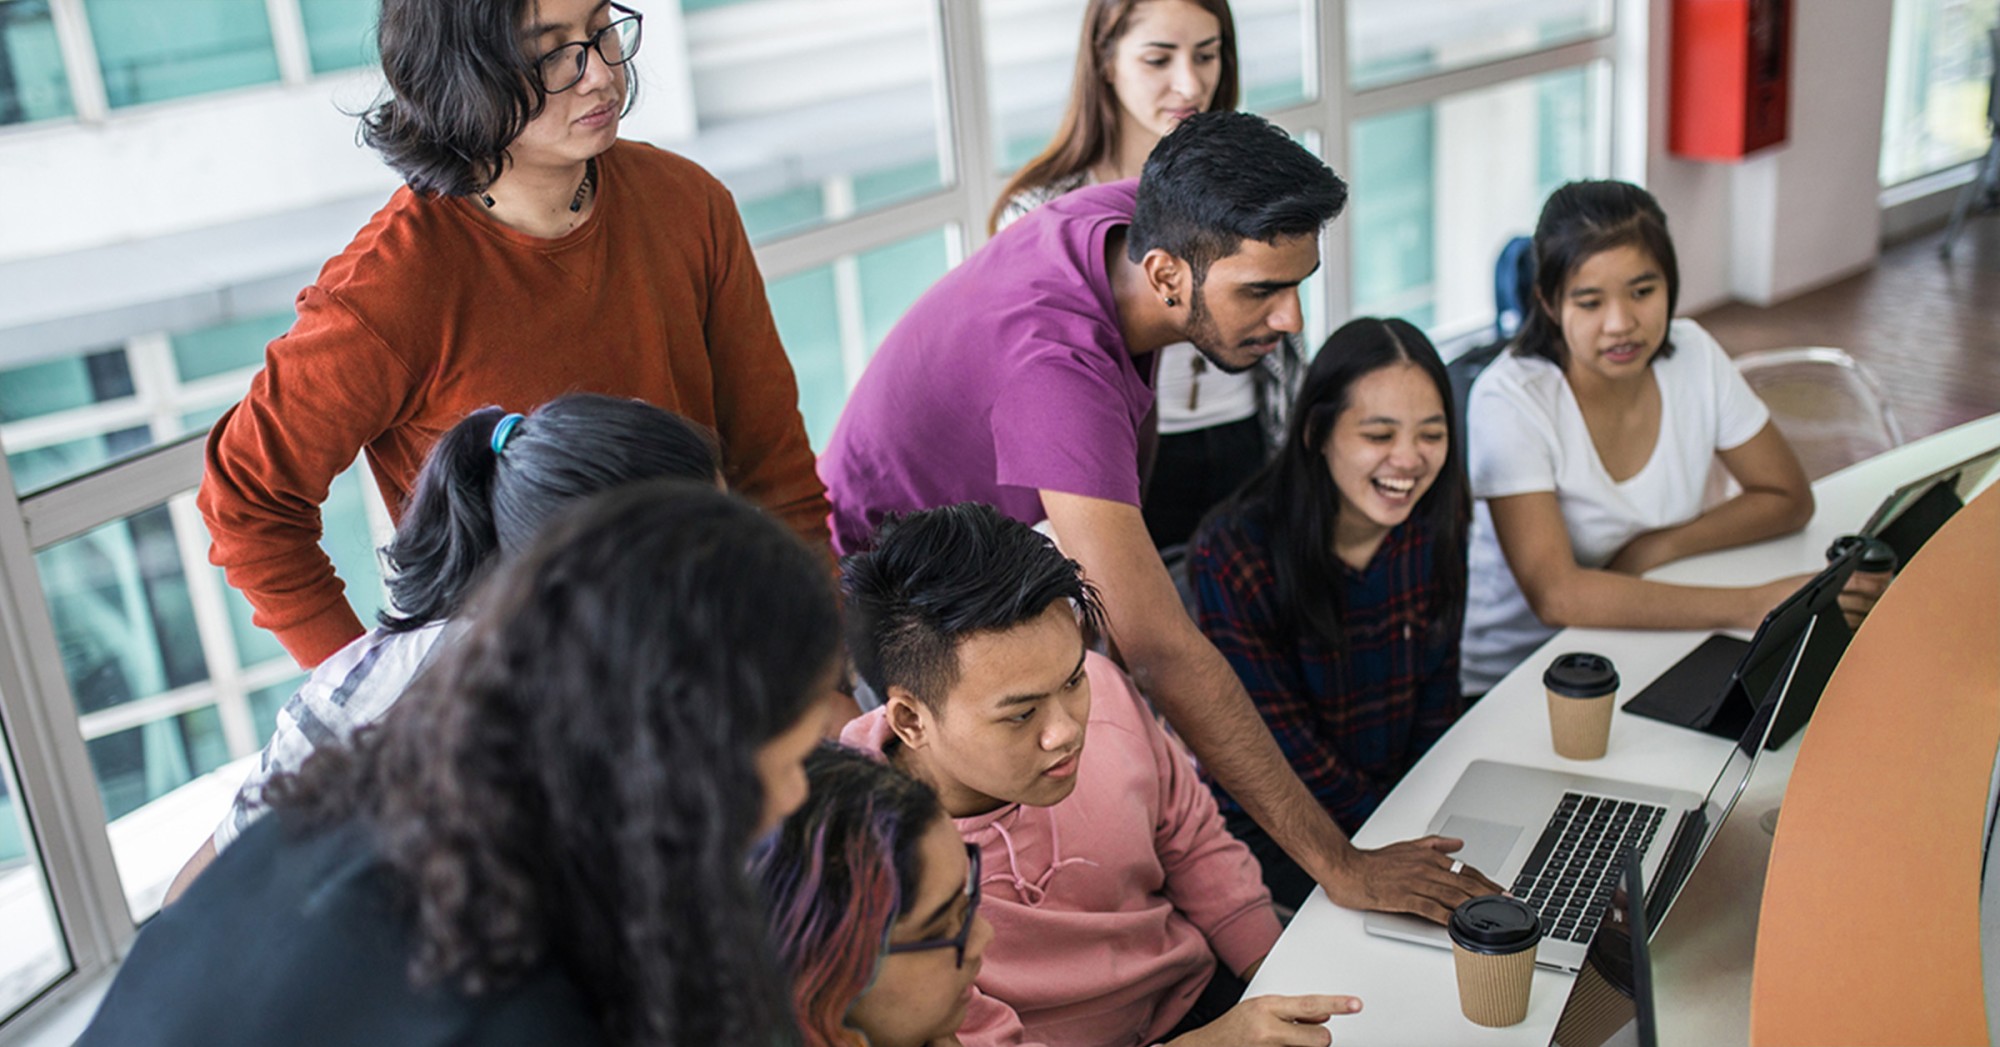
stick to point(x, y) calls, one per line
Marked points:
point(1702, 955)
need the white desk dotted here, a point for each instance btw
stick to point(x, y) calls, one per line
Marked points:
point(1702, 956)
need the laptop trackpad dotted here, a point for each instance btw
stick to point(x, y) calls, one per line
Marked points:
point(1487, 844)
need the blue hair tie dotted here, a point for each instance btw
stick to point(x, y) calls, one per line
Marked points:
point(504, 430)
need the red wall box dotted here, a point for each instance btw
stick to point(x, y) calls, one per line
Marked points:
point(1732, 74)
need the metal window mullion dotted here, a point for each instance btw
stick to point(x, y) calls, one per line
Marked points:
point(79, 55)
point(225, 388)
point(1631, 89)
point(1427, 90)
point(139, 712)
point(155, 381)
point(1331, 114)
point(381, 529)
point(838, 192)
point(212, 626)
point(77, 423)
point(288, 39)
point(269, 672)
point(112, 493)
point(59, 794)
point(962, 70)
point(822, 245)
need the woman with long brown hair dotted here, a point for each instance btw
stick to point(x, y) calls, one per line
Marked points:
point(1143, 66)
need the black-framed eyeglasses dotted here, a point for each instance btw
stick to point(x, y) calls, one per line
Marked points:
point(956, 941)
point(616, 43)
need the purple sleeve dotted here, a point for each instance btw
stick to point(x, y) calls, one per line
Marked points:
point(1060, 425)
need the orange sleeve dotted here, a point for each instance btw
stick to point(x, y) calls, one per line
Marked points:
point(766, 455)
point(328, 387)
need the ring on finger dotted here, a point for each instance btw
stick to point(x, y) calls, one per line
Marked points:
point(1457, 867)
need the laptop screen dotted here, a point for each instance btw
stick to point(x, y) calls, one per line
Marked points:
point(1611, 1003)
point(1698, 828)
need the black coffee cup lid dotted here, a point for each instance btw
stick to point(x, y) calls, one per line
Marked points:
point(1495, 925)
point(1581, 675)
point(1877, 556)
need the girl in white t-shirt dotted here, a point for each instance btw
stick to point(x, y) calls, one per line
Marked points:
point(1590, 445)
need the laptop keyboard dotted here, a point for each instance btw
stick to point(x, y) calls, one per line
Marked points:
point(1574, 867)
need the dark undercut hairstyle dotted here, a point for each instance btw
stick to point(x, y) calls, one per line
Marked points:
point(1296, 502)
point(461, 89)
point(474, 507)
point(935, 578)
point(572, 783)
point(1580, 220)
point(1221, 178)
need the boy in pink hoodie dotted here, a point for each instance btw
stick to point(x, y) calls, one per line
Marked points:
point(1123, 912)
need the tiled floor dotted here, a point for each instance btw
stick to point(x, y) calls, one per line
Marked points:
point(1927, 328)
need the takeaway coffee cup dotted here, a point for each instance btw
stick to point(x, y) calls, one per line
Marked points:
point(1493, 942)
point(1877, 558)
point(1582, 688)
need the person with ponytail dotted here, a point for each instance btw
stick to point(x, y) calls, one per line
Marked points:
point(488, 487)
point(874, 908)
point(546, 843)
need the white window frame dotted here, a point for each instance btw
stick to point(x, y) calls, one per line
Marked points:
point(58, 790)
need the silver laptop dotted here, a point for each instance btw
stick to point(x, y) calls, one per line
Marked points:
point(1555, 837)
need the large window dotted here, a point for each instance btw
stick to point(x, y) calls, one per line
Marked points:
point(170, 680)
point(151, 51)
point(1465, 115)
point(1447, 185)
point(832, 317)
point(860, 131)
point(63, 417)
point(1396, 40)
point(31, 947)
point(1940, 77)
point(340, 34)
point(32, 85)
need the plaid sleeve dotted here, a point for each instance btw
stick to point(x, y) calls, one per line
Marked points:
point(1440, 699)
point(1235, 600)
point(354, 688)
point(292, 740)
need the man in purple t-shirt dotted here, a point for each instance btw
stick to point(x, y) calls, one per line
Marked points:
point(1023, 379)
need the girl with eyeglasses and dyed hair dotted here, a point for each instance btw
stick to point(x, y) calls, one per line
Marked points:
point(530, 253)
point(874, 908)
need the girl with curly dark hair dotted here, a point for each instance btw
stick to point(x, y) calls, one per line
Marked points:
point(545, 842)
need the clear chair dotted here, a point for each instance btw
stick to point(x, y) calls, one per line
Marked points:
point(1828, 406)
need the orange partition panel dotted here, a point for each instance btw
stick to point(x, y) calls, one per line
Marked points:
point(1869, 932)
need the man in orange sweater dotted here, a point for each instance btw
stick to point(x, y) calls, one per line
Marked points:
point(531, 254)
